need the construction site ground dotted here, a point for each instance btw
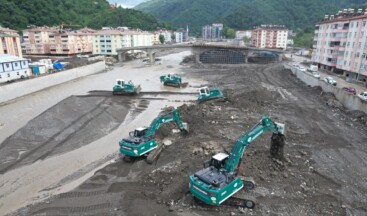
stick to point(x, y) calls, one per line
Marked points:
point(324, 171)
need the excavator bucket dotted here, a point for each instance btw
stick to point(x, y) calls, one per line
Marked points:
point(277, 146)
point(185, 127)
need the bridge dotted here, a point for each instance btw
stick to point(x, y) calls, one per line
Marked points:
point(204, 53)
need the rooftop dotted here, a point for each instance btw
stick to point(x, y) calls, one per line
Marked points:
point(9, 58)
point(345, 15)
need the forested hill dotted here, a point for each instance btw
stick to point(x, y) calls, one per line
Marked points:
point(18, 14)
point(243, 14)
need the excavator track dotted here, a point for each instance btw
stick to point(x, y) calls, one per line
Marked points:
point(220, 99)
point(181, 85)
point(153, 155)
point(241, 200)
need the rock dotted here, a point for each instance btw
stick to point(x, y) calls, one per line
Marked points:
point(343, 206)
point(180, 210)
point(167, 142)
point(285, 175)
point(279, 162)
point(303, 153)
point(115, 209)
point(171, 209)
point(232, 213)
point(176, 130)
point(274, 173)
point(261, 177)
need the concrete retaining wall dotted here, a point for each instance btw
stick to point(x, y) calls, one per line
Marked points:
point(18, 89)
point(349, 101)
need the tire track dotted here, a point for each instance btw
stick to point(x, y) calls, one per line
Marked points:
point(52, 138)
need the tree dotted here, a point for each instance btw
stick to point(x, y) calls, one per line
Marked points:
point(173, 37)
point(230, 33)
point(161, 39)
point(246, 39)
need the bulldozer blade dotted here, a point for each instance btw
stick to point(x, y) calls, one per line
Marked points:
point(277, 146)
point(184, 85)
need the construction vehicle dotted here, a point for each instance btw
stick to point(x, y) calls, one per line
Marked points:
point(174, 80)
point(220, 179)
point(206, 94)
point(125, 88)
point(142, 141)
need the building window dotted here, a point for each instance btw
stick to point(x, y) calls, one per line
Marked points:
point(364, 23)
point(109, 51)
point(7, 65)
point(8, 75)
point(102, 41)
point(24, 63)
point(16, 64)
point(17, 73)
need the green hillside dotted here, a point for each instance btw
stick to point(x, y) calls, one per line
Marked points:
point(242, 14)
point(18, 14)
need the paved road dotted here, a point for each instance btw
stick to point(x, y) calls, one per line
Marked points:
point(341, 82)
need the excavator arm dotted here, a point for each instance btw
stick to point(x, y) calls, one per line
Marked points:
point(265, 124)
point(165, 118)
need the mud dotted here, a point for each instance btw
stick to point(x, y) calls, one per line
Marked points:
point(323, 171)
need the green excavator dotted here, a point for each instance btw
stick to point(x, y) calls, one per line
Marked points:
point(174, 80)
point(123, 88)
point(220, 180)
point(210, 94)
point(141, 141)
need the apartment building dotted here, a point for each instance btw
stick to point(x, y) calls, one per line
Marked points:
point(270, 37)
point(340, 43)
point(71, 42)
point(106, 41)
point(56, 41)
point(213, 31)
point(9, 42)
point(166, 34)
point(37, 41)
point(243, 33)
point(181, 35)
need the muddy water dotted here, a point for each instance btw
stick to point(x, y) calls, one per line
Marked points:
point(67, 167)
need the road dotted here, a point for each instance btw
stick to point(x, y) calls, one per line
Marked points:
point(341, 82)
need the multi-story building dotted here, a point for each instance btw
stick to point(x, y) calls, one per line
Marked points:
point(106, 41)
point(340, 43)
point(207, 32)
point(37, 40)
point(212, 31)
point(13, 67)
point(71, 42)
point(270, 36)
point(55, 41)
point(181, 35)
point(166, 34)
point(243, 33)
point(217, 30)
point(9, 42)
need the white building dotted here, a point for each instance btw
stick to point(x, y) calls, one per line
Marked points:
point(242, 33)
point(270, 37)
point(166, 34)
point(179, 36)
point(13, 67)
point(108, 40)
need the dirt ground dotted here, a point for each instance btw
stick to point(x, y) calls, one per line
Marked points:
point(324, 172)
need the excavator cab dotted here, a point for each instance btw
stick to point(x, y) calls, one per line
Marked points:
point(139, 132)
point(204, 91)
point(218, 161)
point(120, 82)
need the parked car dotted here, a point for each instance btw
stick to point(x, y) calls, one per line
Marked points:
point(350, 90)
point(330, 80)
point(313, 68)
point(316, 75)
point(363, 96)
point(295, 65)
point(302, 69)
